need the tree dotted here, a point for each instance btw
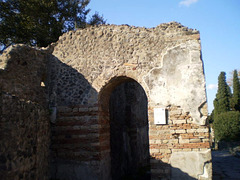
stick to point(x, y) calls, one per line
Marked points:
point(96, 19)
point(41, 22)
point(230, 80)
point(210, 117)
point(226, 117)
point(227, 126)
point(236, 92)
point(221, 102)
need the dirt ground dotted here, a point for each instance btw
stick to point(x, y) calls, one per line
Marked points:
point(225, 166)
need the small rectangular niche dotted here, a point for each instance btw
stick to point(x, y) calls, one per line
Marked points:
point(160, 116)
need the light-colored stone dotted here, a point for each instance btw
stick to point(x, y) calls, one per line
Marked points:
point(183, 141)
point(154, 151)
point(195, 140)
point(203, 130)
point(181, 131)
point(187, 165)
point(179, 121)
point(165, 141)
point(191, 130)
point(165, 151)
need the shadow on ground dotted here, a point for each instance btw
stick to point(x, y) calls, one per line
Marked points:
point(225, 166)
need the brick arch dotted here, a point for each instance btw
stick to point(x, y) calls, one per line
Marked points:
point(104, 119)
point(109, 85)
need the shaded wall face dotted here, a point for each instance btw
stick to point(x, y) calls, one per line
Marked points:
point(23, 72)
point(67, 86)
point(24, 139)
point(25, 131)
point(129, 131)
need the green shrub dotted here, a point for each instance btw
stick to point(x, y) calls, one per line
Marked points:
point(227, 126)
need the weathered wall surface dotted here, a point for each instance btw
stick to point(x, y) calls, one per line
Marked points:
point(23, 71)
point(24, 122)
point(24, 139)
point(87, 65)
point(81, 72)
point(165, 60)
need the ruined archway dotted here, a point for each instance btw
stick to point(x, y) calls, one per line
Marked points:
point(126, 105)
point(84, 68)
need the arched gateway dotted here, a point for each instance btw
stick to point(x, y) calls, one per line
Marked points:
point(125, 105)
point(129, 102)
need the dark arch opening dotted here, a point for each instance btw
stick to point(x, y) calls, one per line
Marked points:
point(129, 141)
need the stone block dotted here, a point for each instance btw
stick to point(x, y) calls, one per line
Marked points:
point(179, 121)
point(154, 151)
point(75, 110)
point(172, 131)
point(206, 140)
point(195, 149)
point(165, 151)
point(181, 131)
point(186, 149)
point(187, 165)
point(176, 150)
point(83, 109)
point(165, 141)
point(191, 130)
point(205, 130)
point(181, 141)
point(173, 141)
point(195, 140)
point(93, 109)
point(152, 141)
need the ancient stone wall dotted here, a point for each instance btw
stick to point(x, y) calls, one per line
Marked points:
point(165, 60)
point(23, 73)
point(88, 65)
point(24, 116)
point(24, 139)
point(83, 78)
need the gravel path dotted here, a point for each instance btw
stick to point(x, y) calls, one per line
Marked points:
point(225, 166)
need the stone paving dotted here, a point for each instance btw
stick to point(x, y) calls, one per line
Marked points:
point(225, 166)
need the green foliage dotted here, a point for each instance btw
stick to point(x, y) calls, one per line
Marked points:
point(226, 116)
point(221, 102)
point(230, 80)
point(227, 126)
point(236, 92)
point(41, 22)
point(211, 117)
point(96, 19)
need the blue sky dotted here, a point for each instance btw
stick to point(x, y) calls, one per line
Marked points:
point(217, 20)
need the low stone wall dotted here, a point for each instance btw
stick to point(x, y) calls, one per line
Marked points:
point(24, 139)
